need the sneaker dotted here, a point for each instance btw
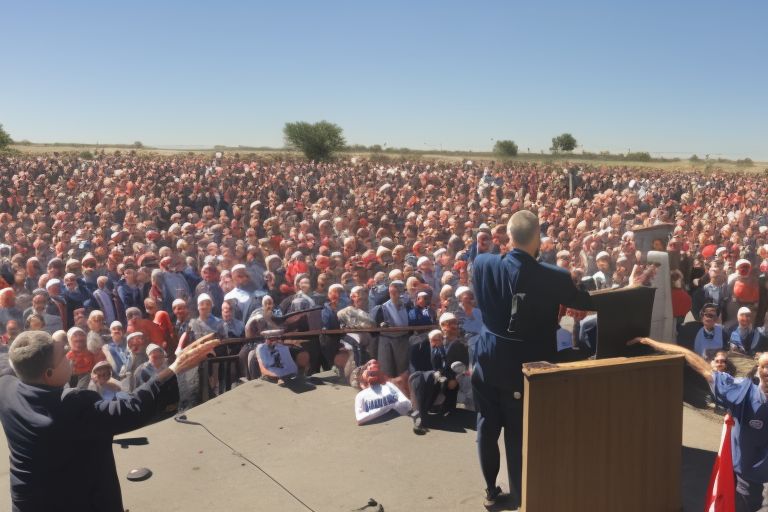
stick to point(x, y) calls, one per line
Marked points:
point(418, 427)
point(492, 496)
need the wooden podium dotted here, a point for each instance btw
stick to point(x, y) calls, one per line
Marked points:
point(603, 435)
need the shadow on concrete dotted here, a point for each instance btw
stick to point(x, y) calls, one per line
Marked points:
point(696, 468)
point(131, 441)
point(459, 421)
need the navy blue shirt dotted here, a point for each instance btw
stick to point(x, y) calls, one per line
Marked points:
point(530, 334)
point(61, 442)
point(749, 435)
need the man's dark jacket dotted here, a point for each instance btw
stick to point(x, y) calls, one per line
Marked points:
point(61, 442)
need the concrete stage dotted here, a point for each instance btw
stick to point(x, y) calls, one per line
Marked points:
point(310, 444)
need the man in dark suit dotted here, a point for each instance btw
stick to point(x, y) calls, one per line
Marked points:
point(431, 373)
point(519, 298)
point(61, 440)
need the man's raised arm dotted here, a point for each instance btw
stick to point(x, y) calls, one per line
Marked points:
point(694, 361)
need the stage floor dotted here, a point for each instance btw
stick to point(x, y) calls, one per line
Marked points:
point(312, 452)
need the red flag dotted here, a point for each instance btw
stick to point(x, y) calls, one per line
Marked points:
point(721, 492)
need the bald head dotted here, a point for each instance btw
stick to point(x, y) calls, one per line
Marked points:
point(523, 231)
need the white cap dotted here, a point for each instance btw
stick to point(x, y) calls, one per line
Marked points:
point(602, 254)
point(462, 290)
point(446, 317)
point(743, 262)
point(52, 282)
point(237, 267)
point(178, 302)
point(296, 255)
point(744, 311)
point(74, 330)
point(422, 294)
point(356, 289)
point(202, 297)
point(433, 333)
point(439, 252)
point(421, 260)
point(398, 283)
point(720, 250)
point(152, 347)
point(116, 323)
point(335, 286)
point(134, 335)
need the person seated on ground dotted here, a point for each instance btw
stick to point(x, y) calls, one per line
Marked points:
point(102, 381)
point(747, 403)
point(743, 337)
point(378, 396)
point(82, 359)
point(432, 374)
point(276, 363)
point(157, 362)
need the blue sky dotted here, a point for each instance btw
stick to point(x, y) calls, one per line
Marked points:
point(688, 77)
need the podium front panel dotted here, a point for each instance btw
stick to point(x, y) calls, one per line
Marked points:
point(603, 435)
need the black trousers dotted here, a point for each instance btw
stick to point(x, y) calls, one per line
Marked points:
point(424, 391)
point(749, 495)
point(497, 408)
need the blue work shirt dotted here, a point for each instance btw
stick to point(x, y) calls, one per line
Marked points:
point(531, 334)
point(749, 435)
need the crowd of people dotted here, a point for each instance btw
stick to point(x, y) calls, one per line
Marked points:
point(129, 258)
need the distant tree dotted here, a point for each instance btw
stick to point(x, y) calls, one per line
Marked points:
point(376, 148)
point(505, 148)
point(318, 141)
point(746, 162)
point(564, 142)
point(5, 139)
point(695, 158)
point(138, 144)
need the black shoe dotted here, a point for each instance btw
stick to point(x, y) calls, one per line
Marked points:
point(492, 496)
point(418, 427)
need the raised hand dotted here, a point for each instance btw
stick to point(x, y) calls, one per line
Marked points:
point(194, 354)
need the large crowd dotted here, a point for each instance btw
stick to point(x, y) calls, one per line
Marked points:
point(131, 257)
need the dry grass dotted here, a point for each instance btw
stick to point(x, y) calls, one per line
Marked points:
point(680, 166)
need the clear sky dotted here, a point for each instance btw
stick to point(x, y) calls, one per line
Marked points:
point(658, 76)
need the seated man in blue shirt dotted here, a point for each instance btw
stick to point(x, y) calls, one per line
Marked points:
point(744, 338)
point(275, 361)
point(748, 404)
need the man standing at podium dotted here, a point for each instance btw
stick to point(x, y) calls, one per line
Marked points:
point(519, 299)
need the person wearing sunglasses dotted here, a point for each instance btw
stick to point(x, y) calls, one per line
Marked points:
point(60, 440)
point(711, 336)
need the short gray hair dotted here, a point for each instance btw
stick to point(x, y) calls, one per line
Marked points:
point(31, 353)
point(523, 227)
